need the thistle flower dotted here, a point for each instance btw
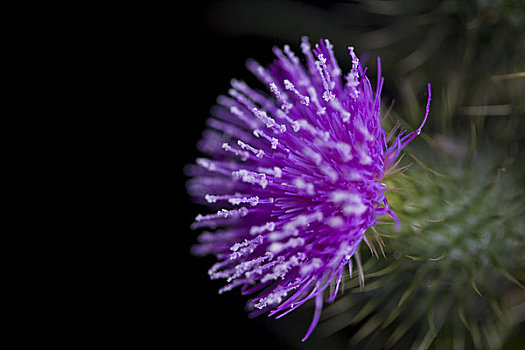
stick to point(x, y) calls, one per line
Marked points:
point(296, 174)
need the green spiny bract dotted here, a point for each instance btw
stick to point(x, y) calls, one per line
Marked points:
point(453, 275)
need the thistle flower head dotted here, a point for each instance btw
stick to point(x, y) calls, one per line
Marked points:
point(296, 176)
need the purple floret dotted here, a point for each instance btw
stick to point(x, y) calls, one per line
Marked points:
point(295, 177)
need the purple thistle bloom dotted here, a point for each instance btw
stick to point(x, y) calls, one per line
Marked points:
point(297, 177)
